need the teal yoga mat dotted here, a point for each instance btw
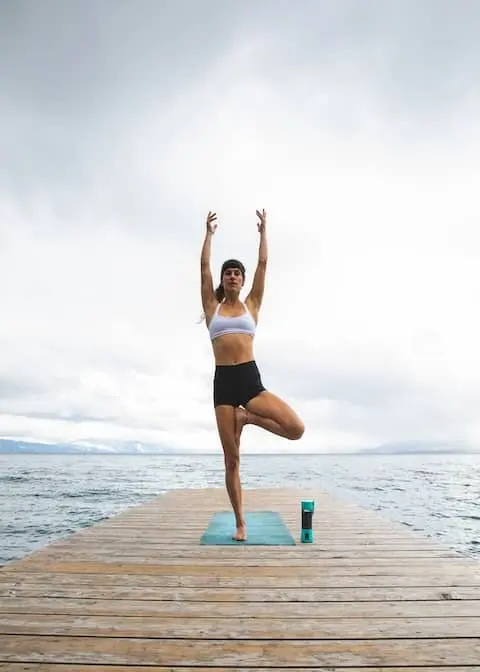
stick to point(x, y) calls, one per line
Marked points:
point(264, 528)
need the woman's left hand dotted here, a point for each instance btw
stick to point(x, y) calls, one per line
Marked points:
point(262, 224)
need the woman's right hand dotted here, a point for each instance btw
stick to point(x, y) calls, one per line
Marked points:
point(211, 217)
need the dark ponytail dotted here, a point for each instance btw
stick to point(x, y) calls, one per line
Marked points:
point(220, 293)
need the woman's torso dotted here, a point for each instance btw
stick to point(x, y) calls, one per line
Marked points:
point(232, 331)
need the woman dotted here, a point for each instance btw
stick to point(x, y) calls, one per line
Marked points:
point(238, 392)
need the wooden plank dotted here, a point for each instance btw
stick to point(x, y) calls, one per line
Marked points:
point(341, 538)
point(286, 653)
point(240, 579)
point(152, 564)
point(228, 594)
point(142, 530)
point(142, 527)
point(223, 557)
point(53, 667)
point(319, 547)
point(228, 570)
point(99, 551)
point(154, 573)
point(234, 610)
point(241, 629)
point(192, 544)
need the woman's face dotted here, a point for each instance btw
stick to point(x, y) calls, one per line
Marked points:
point(232, 278)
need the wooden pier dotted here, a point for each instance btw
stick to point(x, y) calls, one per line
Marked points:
point(139, 592)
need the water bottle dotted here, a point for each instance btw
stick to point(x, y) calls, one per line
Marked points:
point(308, 507)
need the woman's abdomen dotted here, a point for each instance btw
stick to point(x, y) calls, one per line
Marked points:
point(233, 349)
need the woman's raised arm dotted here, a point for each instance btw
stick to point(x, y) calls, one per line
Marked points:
point(258, 286)
point(208, 293)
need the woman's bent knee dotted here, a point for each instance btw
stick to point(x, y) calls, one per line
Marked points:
point(295, 429)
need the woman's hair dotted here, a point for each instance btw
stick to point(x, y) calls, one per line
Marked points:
point(220, 293)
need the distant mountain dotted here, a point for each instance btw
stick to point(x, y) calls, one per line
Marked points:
point(399, 447)
point(86, 447)
point(11, 446)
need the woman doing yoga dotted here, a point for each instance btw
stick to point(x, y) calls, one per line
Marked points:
point(239, 395)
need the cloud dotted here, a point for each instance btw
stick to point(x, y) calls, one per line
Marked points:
point(355, 126)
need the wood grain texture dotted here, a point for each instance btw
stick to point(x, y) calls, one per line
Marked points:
point(241, 595)
point(395, 575)
point(241, 628)
point(134, 593)
point(278, 653)
point(53, 667)
point(410, 609)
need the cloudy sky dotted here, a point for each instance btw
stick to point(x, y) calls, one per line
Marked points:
point(355, 124)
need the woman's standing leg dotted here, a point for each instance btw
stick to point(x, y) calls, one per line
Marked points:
point(225, 416)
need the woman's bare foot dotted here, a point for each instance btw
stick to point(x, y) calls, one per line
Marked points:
point(241, 418)
point(241, 533)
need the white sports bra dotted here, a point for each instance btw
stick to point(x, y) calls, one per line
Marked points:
point(222, 324)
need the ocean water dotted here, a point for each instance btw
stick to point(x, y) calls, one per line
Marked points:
point(46, 497)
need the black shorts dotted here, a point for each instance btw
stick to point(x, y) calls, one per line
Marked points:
point(236, 384)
